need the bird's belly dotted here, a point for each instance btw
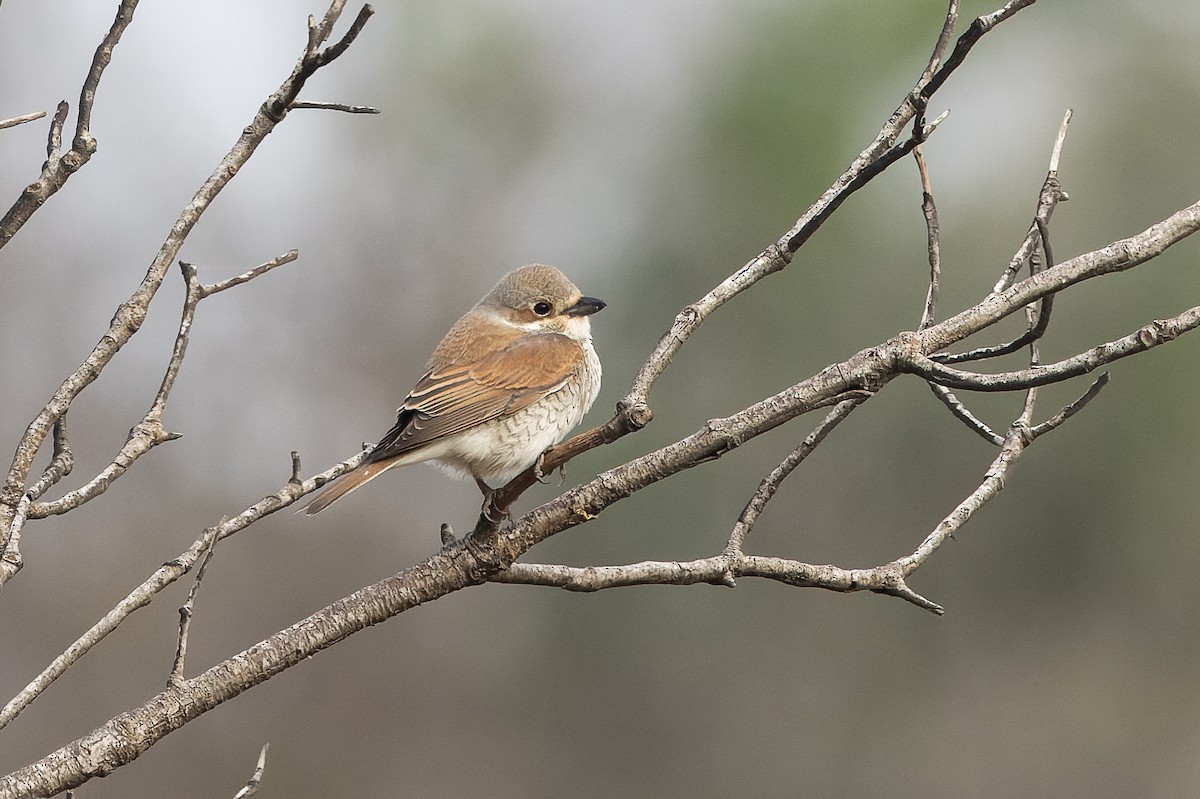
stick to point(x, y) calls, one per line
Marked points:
point(499, 450)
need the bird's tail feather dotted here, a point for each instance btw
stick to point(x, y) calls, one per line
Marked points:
point(348, 483)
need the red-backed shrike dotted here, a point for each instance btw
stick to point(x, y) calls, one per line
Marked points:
point(509, 380)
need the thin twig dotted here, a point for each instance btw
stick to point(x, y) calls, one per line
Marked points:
point(933, 245)
point(961, 412)
point(1158, 332)
point(58, 168)
point(129, 315)
point(770, 484)
point(54, 135)
point(1056, 153)
point(12, 122)
point(313, 58)
point(975, 32)
point(100, 61)
point(1048, 199)
point(279, 260)
point(349, 109)
point(251, 787)
point(61, 462)
point(1070, 410)
point(165, 575)
point(185, 610)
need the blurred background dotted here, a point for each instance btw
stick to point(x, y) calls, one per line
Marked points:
point(648, 149)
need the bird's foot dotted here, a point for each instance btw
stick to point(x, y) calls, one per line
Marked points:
point(539, 472)
point(492, 511)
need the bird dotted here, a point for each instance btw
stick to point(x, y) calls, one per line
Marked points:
point(509, 380)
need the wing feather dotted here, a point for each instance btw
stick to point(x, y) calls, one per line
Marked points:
point(452, 399)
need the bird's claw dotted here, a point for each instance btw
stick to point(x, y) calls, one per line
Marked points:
point(492, 511)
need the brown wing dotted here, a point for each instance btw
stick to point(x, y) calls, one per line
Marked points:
point(448, 400)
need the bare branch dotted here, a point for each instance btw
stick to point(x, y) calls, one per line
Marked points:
point(57, 169)
point(1056, 153)
point(313, 59)
point(929, 314)
point(721, 570)
point(968, 40)
point(770, 484)
point(129, 316)
point(185, 610)
point(167, 574)
point(54, 137)
point(1158, 332)
point(349, 109)
point(246, 277)
point(960, 411)
point(12, 122)
point(1070, 410)
point(146, 434)
point(252, 786)
point(61, 462)
point(933, 245)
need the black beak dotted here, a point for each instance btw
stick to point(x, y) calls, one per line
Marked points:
point(585, 307)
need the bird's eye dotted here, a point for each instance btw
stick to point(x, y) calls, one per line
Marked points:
point(542, 308)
